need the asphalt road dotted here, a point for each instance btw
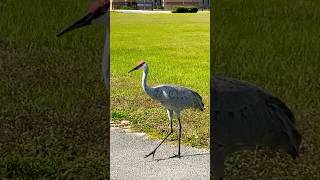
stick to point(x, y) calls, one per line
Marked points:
point(127, 159)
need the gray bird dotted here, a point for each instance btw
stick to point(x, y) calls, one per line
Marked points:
point(173, 98)
point(246, 116)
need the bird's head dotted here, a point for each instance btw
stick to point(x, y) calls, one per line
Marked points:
point(96, 13)
point(141, 65)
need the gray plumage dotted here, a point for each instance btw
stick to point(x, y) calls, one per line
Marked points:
point(173, 98)
point(176, 98)
point(246, 116)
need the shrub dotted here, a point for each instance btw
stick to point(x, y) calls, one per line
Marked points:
point(193, 10)
point(180, 10)
point(159, 7)
point(185, 10)
point(127, 8)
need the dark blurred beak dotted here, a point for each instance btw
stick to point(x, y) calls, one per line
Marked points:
point(135, 68)
point(85, 20)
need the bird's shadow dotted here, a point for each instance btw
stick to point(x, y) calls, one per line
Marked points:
point(188, 155)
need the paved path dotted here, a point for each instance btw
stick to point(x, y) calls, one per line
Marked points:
point(128, 162)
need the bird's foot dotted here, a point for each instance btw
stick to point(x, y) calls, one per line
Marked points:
point(176, 156)
point(152, 152)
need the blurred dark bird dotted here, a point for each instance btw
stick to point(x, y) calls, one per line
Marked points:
point(246, 116)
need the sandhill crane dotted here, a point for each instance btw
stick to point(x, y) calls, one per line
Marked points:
point(173, 98)
point(98, 13)
point(246, 116)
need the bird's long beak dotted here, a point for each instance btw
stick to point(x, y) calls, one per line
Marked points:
point(135, 68)
point(83, 21)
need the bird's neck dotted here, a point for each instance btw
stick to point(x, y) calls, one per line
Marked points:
point(145, 86)
point(106, 54)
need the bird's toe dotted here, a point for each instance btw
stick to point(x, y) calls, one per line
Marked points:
point(176, 156)
point(152, 153)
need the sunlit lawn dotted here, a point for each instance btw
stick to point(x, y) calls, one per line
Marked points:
point(176, 48)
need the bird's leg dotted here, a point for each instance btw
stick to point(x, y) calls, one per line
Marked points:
point(170, 114)
point(179, 137)
point(180, 129)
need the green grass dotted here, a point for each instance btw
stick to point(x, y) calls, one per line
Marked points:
point(52, 119)
point(176, 48)
point(274, 44)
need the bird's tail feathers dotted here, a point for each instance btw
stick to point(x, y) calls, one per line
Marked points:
point(199, 103)
point(295, 143)
point(287, 120)
point(284, 108)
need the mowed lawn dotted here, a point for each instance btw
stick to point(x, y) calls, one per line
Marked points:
point(176, 48)
point(52, 96)
point(274, 44)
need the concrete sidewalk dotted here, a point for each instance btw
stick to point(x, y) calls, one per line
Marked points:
point(127, 159)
